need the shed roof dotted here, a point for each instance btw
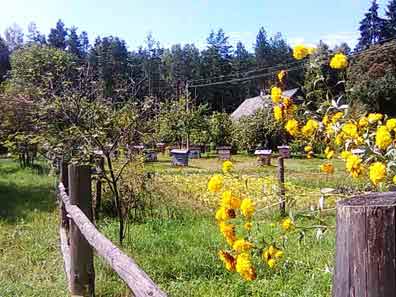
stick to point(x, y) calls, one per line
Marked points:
point(251, 105)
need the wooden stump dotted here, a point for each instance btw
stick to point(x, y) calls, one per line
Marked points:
point(365, 246)
point(281, 184)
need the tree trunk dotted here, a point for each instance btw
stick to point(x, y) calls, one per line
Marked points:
point(365, 246)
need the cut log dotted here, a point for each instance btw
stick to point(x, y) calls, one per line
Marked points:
point(365, 246)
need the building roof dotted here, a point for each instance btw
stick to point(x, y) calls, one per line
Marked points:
point(251, 105)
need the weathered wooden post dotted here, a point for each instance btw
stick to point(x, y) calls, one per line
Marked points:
point(82, 275)
point(281, 183)
point(365, 246)
point(64, 178)
point(98, 192)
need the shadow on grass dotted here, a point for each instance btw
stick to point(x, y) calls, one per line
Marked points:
point(17, 201)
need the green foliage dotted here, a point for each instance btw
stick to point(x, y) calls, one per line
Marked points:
point(258, 130)
point(372, 78)
point(221, 129)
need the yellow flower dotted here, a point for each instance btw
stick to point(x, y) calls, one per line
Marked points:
point(345, 155)
point(248, 226)
point(281, 75)
point(326, 120)
point(354, 166)
point(337, 117)
point(310, 127)
point(329, 153)
point(330, 130)
point(228, 231)
point(363, 122)
point(339, 139)
point(377, 172)
point(242, 245)
point(311, 50)
point(308, 148)
point(215, 183)
point(391, 124)
point(339, 61)
point(292, 127)
point(266, 255)
point(287, 224)
point(394, 179)
point(228, 260)
point(247, 207)
point(279, 254)
point(271, 263)
point(278, 113)
point(350, 130)
point(244, 267)
point(327, 168)
point(276, 94)
point(230, 201)
point(224, 214)
point(383, 138)
point(300, 52)
point(287, 102)
point(227, 166)
point(272, 250)
point(374, 117)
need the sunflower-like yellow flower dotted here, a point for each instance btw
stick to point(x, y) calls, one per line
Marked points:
point(224, 214)
point(248, 226)
point(374, 117)
point(339, 139)
point(326, 120)
point(244, 267)
point(335, 118)
point(230, 201)
point(327, 168)
point(227, 166)
point(281, 75)
point(287, 224)
point(308, 148)
point(276, 94)
point(278, 113)
point(391, 124)
point(310, 128)
point(271, 263)
point(383, 138)
point(228, 260)
point(329, 153)
point(300, 52)
point(394, 179)
point(242, 245)
point(292, 127)
point(215, 183)
point(377, 172)
point(363, 122)
point(247, 207)
point(339, 61)
point(228, 231)
point(354, 166)
point(345, 155)
point(350, 130)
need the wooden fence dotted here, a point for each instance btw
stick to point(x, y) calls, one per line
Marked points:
point(79, 237)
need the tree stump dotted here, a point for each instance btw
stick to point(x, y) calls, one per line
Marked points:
point(365, 246)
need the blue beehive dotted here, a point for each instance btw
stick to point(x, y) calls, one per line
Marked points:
point(179, 157)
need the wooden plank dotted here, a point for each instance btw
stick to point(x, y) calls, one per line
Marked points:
point(64, 244)
point(135, 278)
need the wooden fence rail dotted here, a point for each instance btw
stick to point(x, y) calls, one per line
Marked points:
point(78, 258)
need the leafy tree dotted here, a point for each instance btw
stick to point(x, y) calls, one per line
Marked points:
point(14, 37)
point(371, 28)
point(372, 78)
point(34, 35)
point(4, 59)
point(220, 129)
point(57, 36)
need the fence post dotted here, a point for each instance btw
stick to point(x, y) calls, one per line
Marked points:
point(281, 183)
point(64, 177)
point(365, 246)
point(82, 274)
point(98, 197)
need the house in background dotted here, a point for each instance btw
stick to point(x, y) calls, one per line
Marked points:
point(251, 105)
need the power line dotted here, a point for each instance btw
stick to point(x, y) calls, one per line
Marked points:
point(282, 66)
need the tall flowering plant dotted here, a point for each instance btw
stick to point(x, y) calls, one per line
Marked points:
point(366, 143)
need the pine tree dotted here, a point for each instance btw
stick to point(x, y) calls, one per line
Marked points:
point(371, 28)
point(4, 59)
point(14, 37)
point(73, 43)
point(34, 35)
point(390, 22)
point(262, 48)
point(57, 36)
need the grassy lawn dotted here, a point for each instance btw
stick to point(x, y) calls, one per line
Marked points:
point(179, 254)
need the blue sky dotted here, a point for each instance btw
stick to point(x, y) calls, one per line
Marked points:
point(187, 21)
